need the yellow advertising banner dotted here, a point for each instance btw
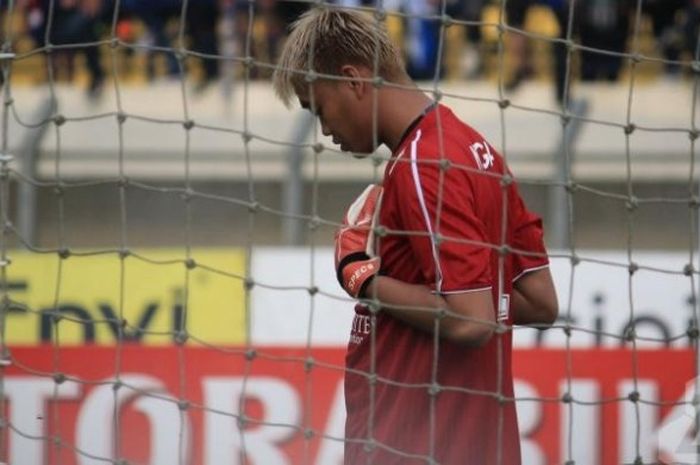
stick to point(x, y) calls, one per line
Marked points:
point(98, 300)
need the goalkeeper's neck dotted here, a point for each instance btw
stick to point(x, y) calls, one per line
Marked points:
point(398, 109)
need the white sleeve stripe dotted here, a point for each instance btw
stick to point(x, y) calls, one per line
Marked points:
point(424, 209)
point(530, 270)
point(464, 291)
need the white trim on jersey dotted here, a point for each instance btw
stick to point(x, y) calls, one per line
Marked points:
point(463, 291)
point(424, 209)
point(396, 161)
point(530, 270)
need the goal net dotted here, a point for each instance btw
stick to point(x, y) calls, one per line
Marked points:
point(166, 266)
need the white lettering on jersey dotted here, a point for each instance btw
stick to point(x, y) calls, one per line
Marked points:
point(361, 327)
point(482, 155)
point(504, 308)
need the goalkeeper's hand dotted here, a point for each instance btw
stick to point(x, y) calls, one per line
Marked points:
point(355, 261)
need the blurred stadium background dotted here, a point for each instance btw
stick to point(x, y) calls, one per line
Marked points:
point(136, 132)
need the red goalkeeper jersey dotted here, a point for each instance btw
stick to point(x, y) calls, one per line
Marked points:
point(444, 181)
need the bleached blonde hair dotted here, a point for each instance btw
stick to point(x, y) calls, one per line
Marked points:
point(324, 39)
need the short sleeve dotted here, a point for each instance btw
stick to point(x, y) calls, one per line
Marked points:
point(529, 252)
point(459, 260)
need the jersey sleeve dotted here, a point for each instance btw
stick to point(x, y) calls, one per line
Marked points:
point(529, 252)
point(446, 236)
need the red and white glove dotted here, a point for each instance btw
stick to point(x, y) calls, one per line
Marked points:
point(355, 261)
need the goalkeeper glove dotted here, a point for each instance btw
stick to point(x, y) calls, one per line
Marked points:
point(355, 261)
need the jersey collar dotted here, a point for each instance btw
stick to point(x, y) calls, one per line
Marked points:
point(407, 132)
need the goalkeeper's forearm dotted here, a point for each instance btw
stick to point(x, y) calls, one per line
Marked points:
point(466, 318)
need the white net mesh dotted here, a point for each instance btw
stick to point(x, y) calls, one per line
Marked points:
point(247, 366)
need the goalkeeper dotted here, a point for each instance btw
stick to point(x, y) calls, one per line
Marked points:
point(458, 258)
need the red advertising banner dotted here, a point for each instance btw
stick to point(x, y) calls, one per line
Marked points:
point(199, 406)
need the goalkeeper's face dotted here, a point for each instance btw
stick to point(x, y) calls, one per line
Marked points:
point(344, 112)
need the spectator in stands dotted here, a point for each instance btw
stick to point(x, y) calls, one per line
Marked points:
point(155, 15)
point(202, 20)
point(664, 18)
point(276, 16)
point(472, 61)
point(691, 28)
point(603, 25)
point(422, 35)
point(73, 22)
point(516, 11)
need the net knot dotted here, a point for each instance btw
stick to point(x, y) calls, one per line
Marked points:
point(380, 231)
point(632, 268)
point(249, 284)
point(311, 76)
point(181, 338)
point(59, 378)
point(372, 379)
point(314, 223)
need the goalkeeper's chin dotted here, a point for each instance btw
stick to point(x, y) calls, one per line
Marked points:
point(357, 153)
